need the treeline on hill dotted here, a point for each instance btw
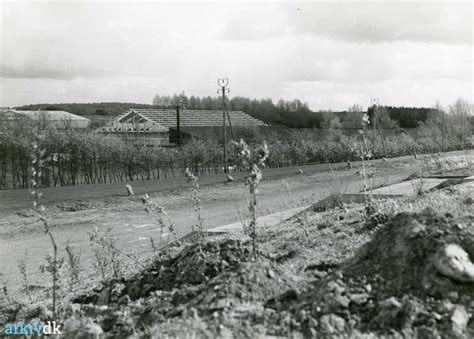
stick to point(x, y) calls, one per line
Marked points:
point(296, 114)
point(293, 113)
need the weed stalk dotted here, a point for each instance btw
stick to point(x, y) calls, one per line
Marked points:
point(253, 161)
point(37, 165)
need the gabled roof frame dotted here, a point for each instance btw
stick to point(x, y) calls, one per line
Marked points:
point(135, 113)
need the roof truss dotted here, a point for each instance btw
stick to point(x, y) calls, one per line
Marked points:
point(134, 117)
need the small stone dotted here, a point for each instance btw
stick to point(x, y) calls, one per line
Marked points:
point(446, 306)
point(459, 318)
point(359, 298)
point(124, 300)
point(342, 300)
point(104, 296)
point(453, 296)
point(391, 302)
point(129, 190)
point(319, 274)
point(454, 262)
point(332, 324)
point(220, 304)
point(368, 288)
point(315, 308)
point(333, 286)
point(312, 322)
point(271, 274)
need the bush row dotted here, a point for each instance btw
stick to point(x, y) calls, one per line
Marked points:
point(74, 157)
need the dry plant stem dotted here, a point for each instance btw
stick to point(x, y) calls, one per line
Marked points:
point(114, 248)
point(24, 276)
point(5, 293)
point(150, 207)
point(196, 202)
point(37, 164)
point(74, 269)
point(254, 162)
point(253, 218)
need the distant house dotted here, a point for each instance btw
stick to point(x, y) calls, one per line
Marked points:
point(56, 119)
point(159, 126)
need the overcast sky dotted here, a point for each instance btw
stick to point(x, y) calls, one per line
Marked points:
point(331, 55)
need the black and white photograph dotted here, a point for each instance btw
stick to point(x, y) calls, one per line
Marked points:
point(236, 169)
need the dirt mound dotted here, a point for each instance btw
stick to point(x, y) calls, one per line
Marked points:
point(407, 253)
point(414, 276)
point(194, 265)
point(215, 279)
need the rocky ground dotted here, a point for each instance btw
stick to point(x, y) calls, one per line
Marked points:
point(395, 268)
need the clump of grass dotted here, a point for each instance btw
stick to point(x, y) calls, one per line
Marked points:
point(154, 248)
point(153, 207)
point(5, 292)
point(107, 254)
point(196, 202)
point(73, 266)
point(418, 184)
point(253, 161)
point(25, 287)
point(337, 186)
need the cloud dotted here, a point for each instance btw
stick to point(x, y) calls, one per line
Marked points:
point(393, 92)
point(364, 22)
point(327, 54)
point(38, 70)
point(318, 59)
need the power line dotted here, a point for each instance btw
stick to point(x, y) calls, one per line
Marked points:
point(98, 83)
point(69, 67)
point(53, 94)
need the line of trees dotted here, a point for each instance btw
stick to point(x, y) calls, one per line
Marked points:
point(74, 157)
point(290, 113)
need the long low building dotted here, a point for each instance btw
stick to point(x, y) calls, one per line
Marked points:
point(56, 119)
point(158, 126)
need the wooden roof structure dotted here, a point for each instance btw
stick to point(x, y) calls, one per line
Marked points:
point(188, 118)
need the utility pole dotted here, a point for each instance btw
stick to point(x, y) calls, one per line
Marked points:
point(375, 103)
point(182, 102)
point(178, 127)
point(442, 128)
point(223, 84)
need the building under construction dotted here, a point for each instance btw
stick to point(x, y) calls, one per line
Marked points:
point(165, 127)
point(11, 118)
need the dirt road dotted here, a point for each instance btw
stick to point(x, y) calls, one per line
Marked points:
point(72, 215)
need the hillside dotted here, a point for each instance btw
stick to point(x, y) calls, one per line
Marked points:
point(87, 109)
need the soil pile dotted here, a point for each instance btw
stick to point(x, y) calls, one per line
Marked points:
point(210, 281)
point(414, 277)
point(195, 264)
